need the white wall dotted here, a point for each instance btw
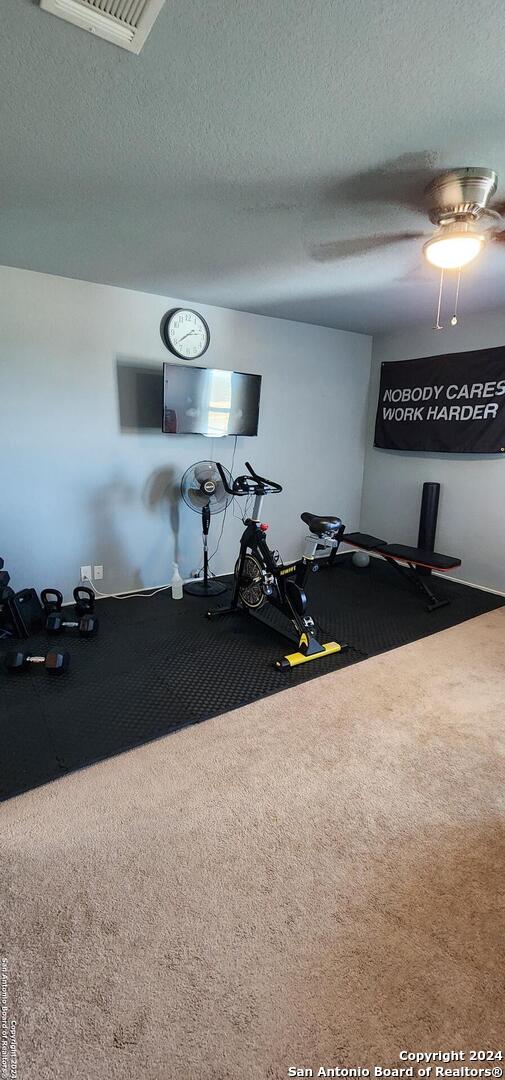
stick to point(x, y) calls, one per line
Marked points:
point(87, 477)
point(471, 521)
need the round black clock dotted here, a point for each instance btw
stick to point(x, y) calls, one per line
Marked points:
point(185, 333)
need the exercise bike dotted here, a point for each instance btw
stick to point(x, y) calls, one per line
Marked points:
point(261, 576)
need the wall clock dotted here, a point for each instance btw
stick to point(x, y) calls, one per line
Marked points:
point(185, 333)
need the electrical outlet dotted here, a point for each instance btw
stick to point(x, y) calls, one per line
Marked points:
point(85, 573)
point(98, 573)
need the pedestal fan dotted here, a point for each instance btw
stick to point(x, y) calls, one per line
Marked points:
point(203, 491)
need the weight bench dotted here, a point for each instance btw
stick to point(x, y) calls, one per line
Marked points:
point(406, 560)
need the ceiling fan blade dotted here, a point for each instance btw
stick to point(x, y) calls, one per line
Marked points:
point(499, 236)
point(332, 250)
point(399, 182)
point(420, 274)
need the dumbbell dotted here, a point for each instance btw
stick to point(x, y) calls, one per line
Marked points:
point(84, 600)
point(86, 626)
point(55, 663)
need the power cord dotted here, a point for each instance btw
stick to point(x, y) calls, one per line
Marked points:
point(129, 596)
point(232, 501)
point(163, 588)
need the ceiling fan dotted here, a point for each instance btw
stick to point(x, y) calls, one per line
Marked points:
point(457, 204)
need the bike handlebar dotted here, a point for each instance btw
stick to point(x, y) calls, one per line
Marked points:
point(224, 479)
point(274, 487)
point(242, 484)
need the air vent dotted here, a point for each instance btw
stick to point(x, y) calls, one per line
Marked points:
point(123, 22)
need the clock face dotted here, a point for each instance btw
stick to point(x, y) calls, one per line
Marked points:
point(185, 333)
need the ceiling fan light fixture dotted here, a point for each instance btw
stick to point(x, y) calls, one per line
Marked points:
point(454, 245)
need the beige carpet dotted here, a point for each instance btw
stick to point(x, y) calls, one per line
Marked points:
point(315, 879)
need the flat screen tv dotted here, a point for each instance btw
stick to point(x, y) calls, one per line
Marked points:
point(209, 401)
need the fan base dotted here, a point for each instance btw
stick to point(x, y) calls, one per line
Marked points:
point(205, 588)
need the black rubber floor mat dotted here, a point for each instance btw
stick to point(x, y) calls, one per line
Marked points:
point(158, 665)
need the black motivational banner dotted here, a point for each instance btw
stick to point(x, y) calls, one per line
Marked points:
point(451, 404)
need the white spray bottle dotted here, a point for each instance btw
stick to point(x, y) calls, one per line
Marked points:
point(176, 583)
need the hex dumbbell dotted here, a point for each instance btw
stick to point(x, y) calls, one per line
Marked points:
point(55, 663)
point(85, 626)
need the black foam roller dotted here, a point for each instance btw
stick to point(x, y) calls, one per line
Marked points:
point(428, 520)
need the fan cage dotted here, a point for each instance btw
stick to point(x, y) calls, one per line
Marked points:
point(194, 480)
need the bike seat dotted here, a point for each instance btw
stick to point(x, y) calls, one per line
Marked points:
point(322, 526)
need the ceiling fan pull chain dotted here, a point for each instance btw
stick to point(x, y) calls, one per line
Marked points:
point(437, 325)
point(454, 320)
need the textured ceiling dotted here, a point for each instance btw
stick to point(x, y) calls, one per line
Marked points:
point(242, 158)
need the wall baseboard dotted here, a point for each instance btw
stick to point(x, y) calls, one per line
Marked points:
point(471, 584)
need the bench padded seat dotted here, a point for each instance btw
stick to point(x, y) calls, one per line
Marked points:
point(402, 552)
point(363, 540)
